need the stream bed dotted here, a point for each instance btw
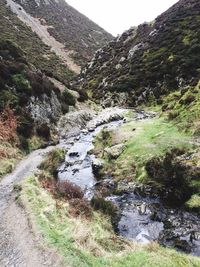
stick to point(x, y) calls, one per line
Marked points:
point(141, 218)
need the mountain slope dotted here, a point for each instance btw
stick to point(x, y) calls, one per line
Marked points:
point(146, 62)
point(36, 64)
point(37, 53)
point(80, 36)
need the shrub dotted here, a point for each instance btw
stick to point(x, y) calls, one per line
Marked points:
point(44, 131)
point(107, 207)
point(8, 125)
point(172, 176)
point(21, 84)
point(53, 160)
point(14, 50)
point(69, 190)
point(80, 207)
point(68, 98)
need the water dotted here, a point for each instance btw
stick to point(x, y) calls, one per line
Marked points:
point(147, 219)
point(77, 167)
point(143, 219)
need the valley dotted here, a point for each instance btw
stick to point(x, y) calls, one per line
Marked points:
point(99, 138)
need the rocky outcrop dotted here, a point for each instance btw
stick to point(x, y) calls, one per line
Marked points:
point(72, 123)
point(148, 61)
point(45, 110)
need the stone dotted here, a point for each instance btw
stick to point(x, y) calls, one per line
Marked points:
point(97, 166)
point(73, 154)
point(115, 151)
point(84, 131)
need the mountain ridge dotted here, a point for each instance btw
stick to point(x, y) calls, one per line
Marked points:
point(75, 31)
point(148, 61)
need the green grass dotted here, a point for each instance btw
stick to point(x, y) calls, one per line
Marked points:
point(183, 108)
point(150, 138)
point(9, 156)
point(53, 160)
point(194, 202)
point(90, 243)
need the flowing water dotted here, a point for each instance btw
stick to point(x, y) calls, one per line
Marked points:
point(143, 219)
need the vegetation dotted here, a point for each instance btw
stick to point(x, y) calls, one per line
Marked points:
point(52, 161)
point(150, 61)
point(183, 108)
point(90, 242)
point(69, 27)
point(144, 140)
point(37, 53)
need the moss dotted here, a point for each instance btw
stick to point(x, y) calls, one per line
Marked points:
point(194, 202)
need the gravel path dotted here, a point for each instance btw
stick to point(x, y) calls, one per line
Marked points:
point(19, 247)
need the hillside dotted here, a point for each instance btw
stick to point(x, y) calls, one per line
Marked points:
point(37, 53)
point(149, 61)
point(35, 58)
point(79, 36)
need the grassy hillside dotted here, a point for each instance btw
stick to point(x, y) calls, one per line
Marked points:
point(37, 53)
point(149, 61)
point(69, 27)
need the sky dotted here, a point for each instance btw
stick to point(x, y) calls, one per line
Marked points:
point(116, 16)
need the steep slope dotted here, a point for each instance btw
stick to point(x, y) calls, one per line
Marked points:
point(36, 64)
point(35, 100)
point(148, 61)
point(37, 53)
point(79, 36)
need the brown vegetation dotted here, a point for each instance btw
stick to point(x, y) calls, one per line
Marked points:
point(8, 125)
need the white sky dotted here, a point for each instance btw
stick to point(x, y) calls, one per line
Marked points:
point(116, 16)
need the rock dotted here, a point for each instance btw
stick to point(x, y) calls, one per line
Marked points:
point(97, 166)
point(91, 129)
point(142, 209)
point(73, 154)
point(72, 123)
point(115, 151)
point(84, 131)
point(45, 109)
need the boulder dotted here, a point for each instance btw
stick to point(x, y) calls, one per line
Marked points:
point(97, 166)
point(115, 151)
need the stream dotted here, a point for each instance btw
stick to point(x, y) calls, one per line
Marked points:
point(141, 218)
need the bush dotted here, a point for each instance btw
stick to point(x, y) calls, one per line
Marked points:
point(52, 162)
point(8, 125)
point(172, 176)
point(80, 207)
point(69, 190)
point(107, 207)
point(21, 84)
point(13, 49)
point(44, 131)
point(68, 98)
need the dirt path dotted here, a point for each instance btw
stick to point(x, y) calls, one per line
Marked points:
point(19, 247)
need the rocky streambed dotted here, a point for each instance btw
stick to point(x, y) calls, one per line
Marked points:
point(141, 214)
